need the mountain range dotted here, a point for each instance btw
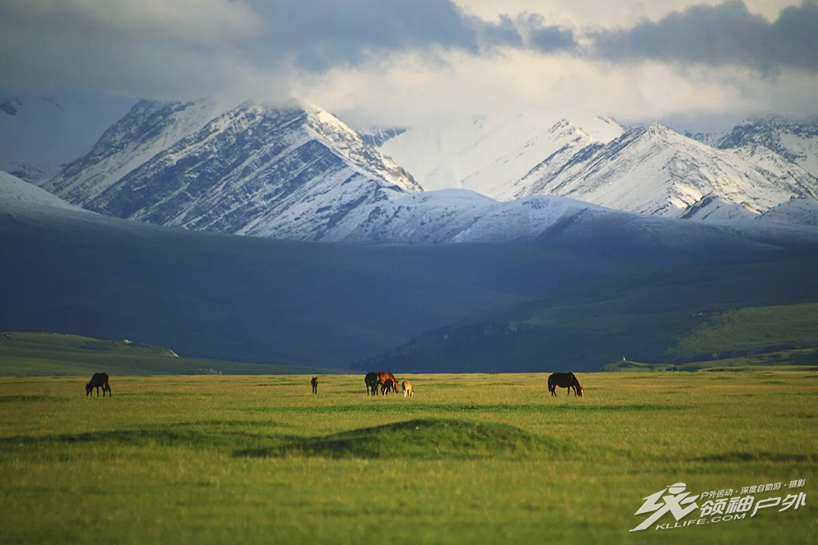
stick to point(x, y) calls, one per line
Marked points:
point(422, 228)
point(594, 285)
point(650, 169)
point(299, 173)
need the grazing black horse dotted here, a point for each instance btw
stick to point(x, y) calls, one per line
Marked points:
point(371, 380)
point(564, 380)
point(99, 380)
point(314, 383)
point(388, 386)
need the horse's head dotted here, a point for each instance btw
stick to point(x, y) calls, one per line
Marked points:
point(579, 390)
point(88, 388)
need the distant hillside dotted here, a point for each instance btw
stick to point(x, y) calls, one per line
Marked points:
point(78, 342)
point(253, 299)
point(805, 358)
point(49, 354)
point(758, 304)
point(327, 305)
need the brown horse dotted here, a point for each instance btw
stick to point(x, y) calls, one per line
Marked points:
point(564, 380)
point(383, 377)
point(371, 380)
point(314, 383)
point(99, 380)
point(407, 389)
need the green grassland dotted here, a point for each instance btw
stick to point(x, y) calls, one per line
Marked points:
point(478, 458)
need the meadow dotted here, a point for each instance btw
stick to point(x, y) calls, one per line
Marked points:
point(473, 458)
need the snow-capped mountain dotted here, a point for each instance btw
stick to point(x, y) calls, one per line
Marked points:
point(298, 172)
point(253, 169)
point(794, 140)
point(487, 154)
point(146, 130)
point(651, 169)
point(654, 170)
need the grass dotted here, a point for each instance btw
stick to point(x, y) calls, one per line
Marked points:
point(750, 329)
point(482, 458)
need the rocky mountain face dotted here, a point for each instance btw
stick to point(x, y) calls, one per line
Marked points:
point(654, 170)
point(299, 173)
point(794, 140)
point(252, 169)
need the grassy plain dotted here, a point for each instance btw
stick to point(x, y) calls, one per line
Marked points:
point(480, 458)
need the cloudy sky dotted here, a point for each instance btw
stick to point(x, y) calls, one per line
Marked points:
point(693, 64)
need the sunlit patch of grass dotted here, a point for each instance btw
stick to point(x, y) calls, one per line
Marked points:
point(494, 458)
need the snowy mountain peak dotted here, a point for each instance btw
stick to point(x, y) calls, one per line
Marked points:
point(252, 169)
point(344, 140)
point(795, 140)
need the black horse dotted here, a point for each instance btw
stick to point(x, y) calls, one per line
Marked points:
point(371, 380)
point(314, 383)
point(564, 380)
point(99, 380)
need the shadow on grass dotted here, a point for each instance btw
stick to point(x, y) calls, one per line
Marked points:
point(200, 435)
point(425, 439)
point(758, 457)
point(11, 399)
point(438, 408)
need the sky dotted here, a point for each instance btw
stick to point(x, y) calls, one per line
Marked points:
point(699, 65)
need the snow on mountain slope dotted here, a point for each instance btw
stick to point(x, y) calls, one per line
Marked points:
point(794, 211)
point(792, 139)
point(654, 170)
point(253, 169)
point(452, 215)
point(651, 170)
point(459, 216)
point(15, 192)
point(488, 154)
point(711, 207)
point(146, 130)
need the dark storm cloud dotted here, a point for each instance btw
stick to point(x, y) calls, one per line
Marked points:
point(173, 47)
point(721, 35)
point(319, 34)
